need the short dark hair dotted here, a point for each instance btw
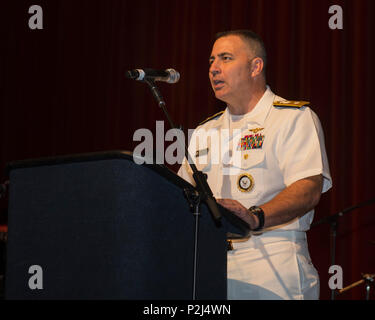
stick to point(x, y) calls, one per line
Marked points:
point(252, 39)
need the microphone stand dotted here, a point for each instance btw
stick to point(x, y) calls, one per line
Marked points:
point(194, 196)
point(367, 278)
point(333, 221)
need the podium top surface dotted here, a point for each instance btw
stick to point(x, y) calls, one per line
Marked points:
point(96, 156)
point(162, 170)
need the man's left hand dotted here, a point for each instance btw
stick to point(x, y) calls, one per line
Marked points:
point(240, 211)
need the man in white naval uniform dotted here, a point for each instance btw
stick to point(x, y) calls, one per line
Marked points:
point(265, 161)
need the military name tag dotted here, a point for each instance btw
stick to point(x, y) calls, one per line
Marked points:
point(245, 182)
point(202, 152)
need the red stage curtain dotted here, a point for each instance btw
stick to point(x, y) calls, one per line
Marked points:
point(63, 90)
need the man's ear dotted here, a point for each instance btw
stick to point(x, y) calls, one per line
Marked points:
point(256, 66)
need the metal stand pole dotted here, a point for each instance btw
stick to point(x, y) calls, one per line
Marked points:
point(333, 221)
point(194, 200)
point(369, 281)
point(333, 235)
point(199, 177)
point(194, 196)
point(367, 278)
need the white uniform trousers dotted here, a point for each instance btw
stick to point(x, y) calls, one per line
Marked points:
point(273, 266)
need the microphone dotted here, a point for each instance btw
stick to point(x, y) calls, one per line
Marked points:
point(168, 75)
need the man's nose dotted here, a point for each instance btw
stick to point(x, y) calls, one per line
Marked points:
point(214, 69)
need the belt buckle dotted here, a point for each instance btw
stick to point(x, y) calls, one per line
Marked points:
point(229, 245)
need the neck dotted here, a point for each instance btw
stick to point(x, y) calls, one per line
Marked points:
point(248, 103)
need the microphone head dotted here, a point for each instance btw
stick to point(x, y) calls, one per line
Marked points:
point(136, 74)
point(168, 75)
point(174, 76)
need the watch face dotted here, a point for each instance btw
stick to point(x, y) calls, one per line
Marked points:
point(245, 182)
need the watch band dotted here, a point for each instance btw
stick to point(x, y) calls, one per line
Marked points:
point(260, 214)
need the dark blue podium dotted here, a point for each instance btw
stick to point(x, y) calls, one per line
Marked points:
point(100, 226)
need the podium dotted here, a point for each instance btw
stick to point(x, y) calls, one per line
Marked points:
point(99, 226)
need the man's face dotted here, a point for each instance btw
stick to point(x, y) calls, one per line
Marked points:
point(230, 69)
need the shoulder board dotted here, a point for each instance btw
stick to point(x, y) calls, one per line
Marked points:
point(290, 104)
point(215, 116)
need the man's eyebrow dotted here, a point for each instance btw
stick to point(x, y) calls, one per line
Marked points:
point(221, 55)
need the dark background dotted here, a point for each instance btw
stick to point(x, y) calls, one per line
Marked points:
point(63, 90)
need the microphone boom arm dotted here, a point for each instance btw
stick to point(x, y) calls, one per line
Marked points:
point(199, 177)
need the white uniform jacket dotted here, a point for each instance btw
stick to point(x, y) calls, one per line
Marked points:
point(251, 158)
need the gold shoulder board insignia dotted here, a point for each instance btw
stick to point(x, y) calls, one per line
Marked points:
point(290, 104)
point(216, 115)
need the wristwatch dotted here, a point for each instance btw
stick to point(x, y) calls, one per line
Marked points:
point(260, 214)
